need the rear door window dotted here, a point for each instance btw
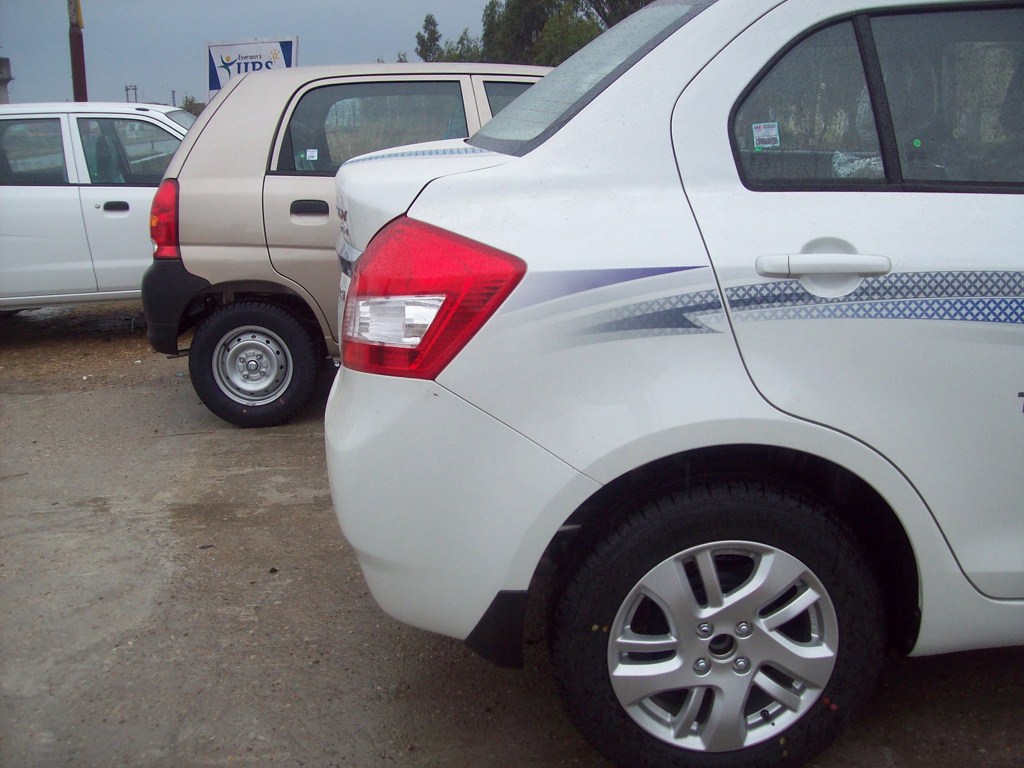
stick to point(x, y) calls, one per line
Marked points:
point(809, 120)
point(333, 123)
point(944, 112)
point(133, 152)
point(32, 152)
point(501, 93)
point(957, 93)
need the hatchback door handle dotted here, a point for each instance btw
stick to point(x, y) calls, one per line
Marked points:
point(319, 207)
point(801, 264)
point(115, 205)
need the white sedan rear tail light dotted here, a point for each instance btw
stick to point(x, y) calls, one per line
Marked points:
point(418, 295)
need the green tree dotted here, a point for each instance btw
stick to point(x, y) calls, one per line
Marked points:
point(511, 28)
point(543, 32)
point(611, 12)
point(189, 104)
point(466, 48)
point(428, 42)
point(563, 34)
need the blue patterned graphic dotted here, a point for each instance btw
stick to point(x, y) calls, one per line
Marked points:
point(545, 286)
point(671, 315)
point(984, 297)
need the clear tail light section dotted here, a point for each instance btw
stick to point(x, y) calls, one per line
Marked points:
point(163, 221)
point(418, 295)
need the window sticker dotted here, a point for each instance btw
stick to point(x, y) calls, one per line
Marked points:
point(766, 136)
point(312, 155)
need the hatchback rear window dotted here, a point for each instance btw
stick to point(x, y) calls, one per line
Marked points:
point(553, 101)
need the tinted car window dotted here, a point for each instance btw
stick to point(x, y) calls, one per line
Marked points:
point(554, 100)
point(810, 118)
point(125, 151)
point(502, 93)
point(182, 118)
point(32, 152)
point(334, 123)
point(957, 93)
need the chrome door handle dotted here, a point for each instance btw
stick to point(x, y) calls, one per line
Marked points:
point(801, 264)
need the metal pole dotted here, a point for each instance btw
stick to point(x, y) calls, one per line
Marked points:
point(77, 64)
point(76, 44)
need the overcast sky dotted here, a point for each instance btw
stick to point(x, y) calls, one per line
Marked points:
point(160, 45)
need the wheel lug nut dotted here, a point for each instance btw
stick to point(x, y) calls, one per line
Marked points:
point(702, 666)
point(742, 664)
point(744, 629)
point(705, 630)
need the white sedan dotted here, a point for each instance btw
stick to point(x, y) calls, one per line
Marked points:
point(725, 317)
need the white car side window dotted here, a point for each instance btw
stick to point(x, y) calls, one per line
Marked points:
point(957, 93)
point(32, 152)
point(809, 119)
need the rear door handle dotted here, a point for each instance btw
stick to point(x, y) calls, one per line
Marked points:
point(115, 205)
point(802, 264)
point(318, 207)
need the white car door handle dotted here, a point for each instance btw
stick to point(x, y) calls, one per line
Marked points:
point(800, 264)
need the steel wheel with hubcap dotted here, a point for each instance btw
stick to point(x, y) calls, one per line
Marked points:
point(253, 364)
point(735, 625)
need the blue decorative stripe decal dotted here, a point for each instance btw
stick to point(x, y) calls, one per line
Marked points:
point(671, 315)
point(983, 297)
point(394, 155)
point(986, 297)
point(547, 286)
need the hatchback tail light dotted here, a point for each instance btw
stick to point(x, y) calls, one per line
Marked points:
point(163, 221)
point(418, 295)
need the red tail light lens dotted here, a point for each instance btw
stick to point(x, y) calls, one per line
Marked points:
point(163, 221)
point(418, 295)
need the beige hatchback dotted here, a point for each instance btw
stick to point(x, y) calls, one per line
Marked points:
point(243, 224)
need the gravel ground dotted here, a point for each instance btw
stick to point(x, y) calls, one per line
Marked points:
point(175, 591)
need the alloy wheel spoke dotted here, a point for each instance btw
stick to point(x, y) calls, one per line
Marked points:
point(785, 696)
point(810, 664)
point(726, 726)
point(774, 574)
point(631, 642)
point(636, 682)
point(709, 575)
point(669, 586)
point(801, 602)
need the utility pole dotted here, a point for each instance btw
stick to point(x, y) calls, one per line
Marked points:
point(134, 91)
point(76, 44)
point(174, 101)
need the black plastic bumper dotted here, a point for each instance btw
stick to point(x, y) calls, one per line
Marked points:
point(167, 289)
point(498, 636)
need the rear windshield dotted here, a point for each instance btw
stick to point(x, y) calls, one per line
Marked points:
point(553, 101)
point(182, 118)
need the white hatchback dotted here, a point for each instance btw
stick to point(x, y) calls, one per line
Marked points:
point(76, 184)
point(725, 317)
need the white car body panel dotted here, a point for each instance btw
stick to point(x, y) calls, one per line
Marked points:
point(403, 574)
point(568, 210)
point(799, 363)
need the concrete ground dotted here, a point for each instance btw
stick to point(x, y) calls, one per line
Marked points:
point(175, 591)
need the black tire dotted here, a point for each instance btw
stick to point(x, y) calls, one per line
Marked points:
point(253, 364)
point(753, 672)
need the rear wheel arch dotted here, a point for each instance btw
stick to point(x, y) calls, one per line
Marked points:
point(878, 531)
point(219, 295)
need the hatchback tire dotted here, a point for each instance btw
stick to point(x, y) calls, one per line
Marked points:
point(736, 624)
point(253, 364)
